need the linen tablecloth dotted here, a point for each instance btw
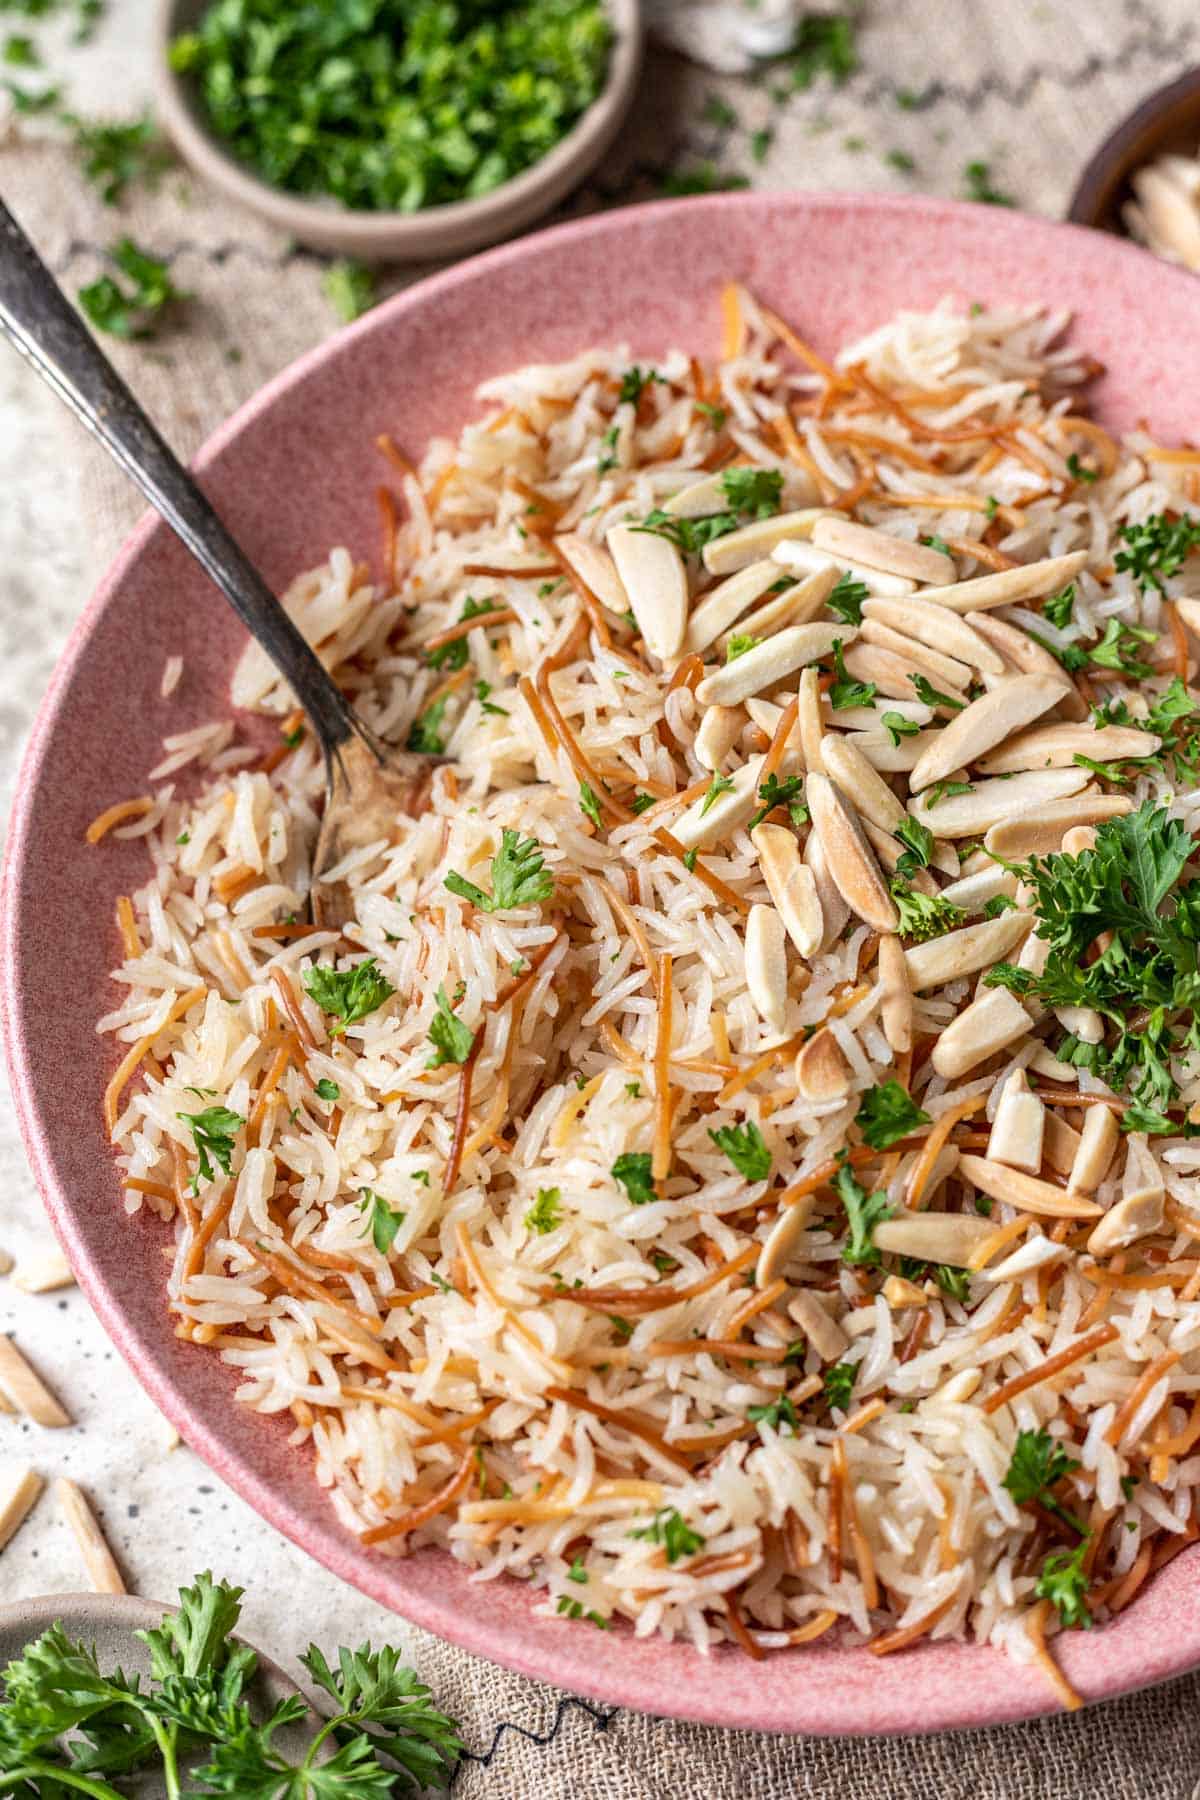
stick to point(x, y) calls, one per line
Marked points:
point(1027, 89)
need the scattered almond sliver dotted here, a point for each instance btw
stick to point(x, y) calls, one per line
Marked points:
point(44, 1273)
point(98, 1559)
point(19, 1490)
point(26, 1389)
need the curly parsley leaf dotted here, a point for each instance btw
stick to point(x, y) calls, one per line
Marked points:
point(888, 1113)
point(451, 1038)
point(1064, 1582)
point(744, 1146)
point(863, 1212)
point(633, 1169)
point(519, 877)
point(755, 493)
point(1037, 1464)
point(776, 1414)
point(116, 155)
point(1058, 608)
point(773, 793)
point(1117, 649)
point(924, 916)
point(347, 995)
point(1157, 548)
point(918, 852)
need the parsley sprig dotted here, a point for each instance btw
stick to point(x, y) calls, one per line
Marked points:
point(67, 1726)
point(347, 995)
point(519, 876)
point(745, 1148)
point(750, 494)
point(214, 1133)
point(888, 1113)
point(863, 1212)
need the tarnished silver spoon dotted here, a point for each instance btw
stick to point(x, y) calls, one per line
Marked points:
point(367, 782)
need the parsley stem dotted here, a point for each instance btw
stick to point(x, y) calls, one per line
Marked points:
point(166, 1737)
point(37, 1770)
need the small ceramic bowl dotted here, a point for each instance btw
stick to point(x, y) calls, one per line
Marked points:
point(376, 237)
point(108, 1622)
point(1166, 121)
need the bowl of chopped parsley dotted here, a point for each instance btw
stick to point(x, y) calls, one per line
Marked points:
point(388, 130)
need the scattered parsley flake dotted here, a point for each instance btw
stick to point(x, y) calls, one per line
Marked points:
point(519, 877)
point(452, 1040)
point(745, 1148)
point(347, 995)
point(633, 1170)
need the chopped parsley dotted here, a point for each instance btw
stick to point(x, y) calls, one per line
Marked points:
point(425, 733)
point(670, 1529)
point(130, 312)
point(589, 805)
point(716, 415)
point(519, 877)
point(977, 180)
point(546, 1211)
point(846, 600)
point(1064, 1582)
point(327, 1090)
point(888, 1113)
point(931, 696)
point(846, 692)
point(739, 643)
point(720, 784)
point(863, 1212)
point(1077, 471)
point(775, 1413)
point(773, 793)
point(347, 995)
point(214, 1132)
point(937, 543)
point(897, 726)
point(381, 1221)
point(750, 494)
point(454, 654)
point(452, 1040)
point(634, 382)
point(394, 105)
point(744, 1146)
point(945, 790)
point(633, 1169)
point(838, 1383)
point(1038, 1463)
point(1118, 650)
point(115, 155)
point(918, 841)
point(1059, 607)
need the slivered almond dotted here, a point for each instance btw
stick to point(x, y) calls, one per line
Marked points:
point(18, 1493)
point(834, 910)
point(1006, 708)
point(946, 672)
point(98, 1559)
point(746, 545)
point(892, 674)
point(848, 856)
point(1039, 829)
point(1019, 1129)
point(1028, 582)
point(779, 1244)
point(43, 1273)
point(896, 1003)
point(972, 892)
point(937, 627)
point(1056, 746)
point(900, 1293)
point(822, 1072)
point(717, 734)
point(770, 662)
point(1061, 1142)
point(1037, 1252)
point(596, 569)
point(800, 604)
point(1029, 658)
point(889, 758)
point(791, 885)
point(697, 828)
point(1189, 612)
point(1079, 839)
point(766, 965)
point(1083, 1022)
point(795, 554)
point(1097, 1147)
point(724, 605)
point(933, 1236)
point(26, 1389)
point(992, 1022)
point(652, 573)
point(880, 550)
point(1123, 1224)
point(964, 951)
point(868, 791)
point(698, 498)
point(1025, 1192)
point(1001, 803)
point(823, 1332)
point(809, 720)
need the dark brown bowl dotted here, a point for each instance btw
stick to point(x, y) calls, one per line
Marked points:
point(1167, 121)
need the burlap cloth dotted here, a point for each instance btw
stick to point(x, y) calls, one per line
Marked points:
point(1028, 88)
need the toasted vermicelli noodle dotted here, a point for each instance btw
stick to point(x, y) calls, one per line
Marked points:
point(656, 1386)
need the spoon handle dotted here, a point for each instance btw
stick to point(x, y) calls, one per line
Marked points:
point(37, 317)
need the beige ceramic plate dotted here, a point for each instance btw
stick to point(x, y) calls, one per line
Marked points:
point(396, 236)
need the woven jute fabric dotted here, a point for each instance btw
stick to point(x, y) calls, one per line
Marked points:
point(1027, 88)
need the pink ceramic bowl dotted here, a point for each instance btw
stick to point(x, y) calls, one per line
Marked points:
point(295, 472)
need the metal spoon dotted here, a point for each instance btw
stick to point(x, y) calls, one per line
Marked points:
point(367, 783)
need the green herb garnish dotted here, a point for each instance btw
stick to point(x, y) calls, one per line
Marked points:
point(924, 916)
point(846, 692)
point(670, 1529)
point(888, 1113)
point(744, 1146)
point(349, 289)
point(633, 1169)
point(382, 1222)
point(130, 312)
point(213, 1132)
point(347, 995)
point(546, 1211)
point(519, 877)
point(452, 1040)
point(863, 1212)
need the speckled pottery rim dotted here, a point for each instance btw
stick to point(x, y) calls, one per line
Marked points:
point(448, 230)
point(294, 471)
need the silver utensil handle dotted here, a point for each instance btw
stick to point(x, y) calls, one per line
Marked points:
point(43, 325)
